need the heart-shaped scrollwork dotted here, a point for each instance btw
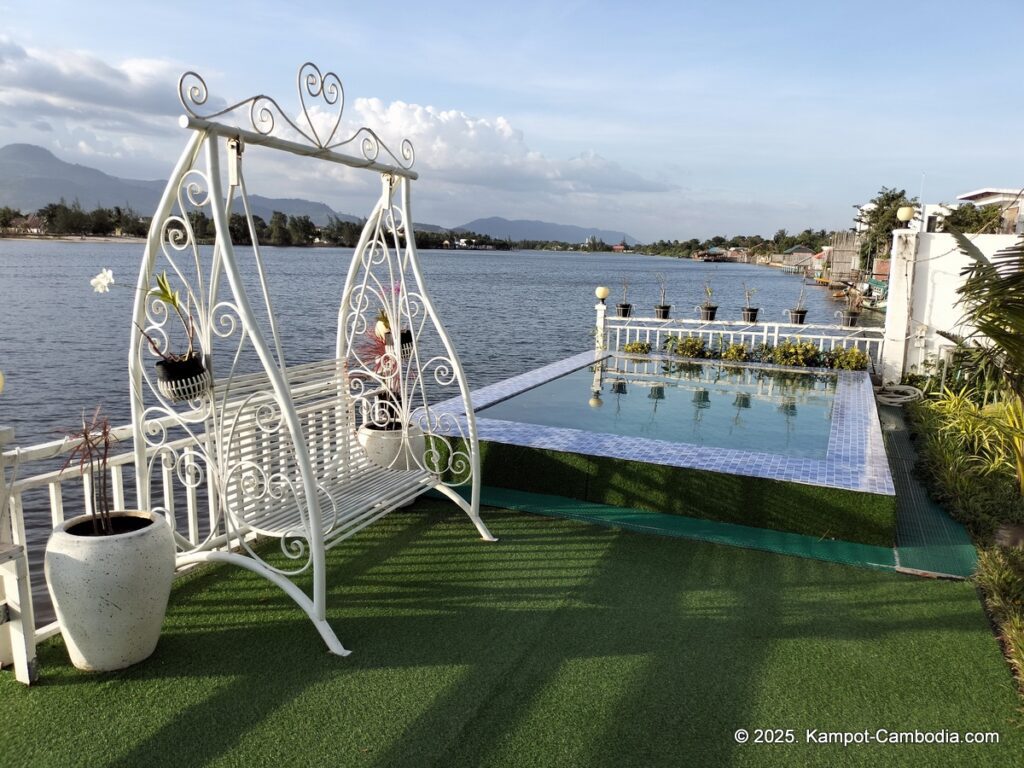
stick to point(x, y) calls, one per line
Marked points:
point(316, 88)
point(318, 91)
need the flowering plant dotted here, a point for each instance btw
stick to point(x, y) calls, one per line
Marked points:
point(170, 297)
point(380, 351)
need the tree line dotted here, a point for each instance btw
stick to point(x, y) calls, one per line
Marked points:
point(814, 239)
point(63, 219)
point(877, 222)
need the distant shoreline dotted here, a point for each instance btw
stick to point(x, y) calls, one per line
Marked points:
point(73, 238)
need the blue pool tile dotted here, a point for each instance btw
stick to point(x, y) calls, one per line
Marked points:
point(855, 459)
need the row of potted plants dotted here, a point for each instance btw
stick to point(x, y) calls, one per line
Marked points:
point(792, 353)
point(708, 308)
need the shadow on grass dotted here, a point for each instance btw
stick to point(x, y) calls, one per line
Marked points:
point(562, 644)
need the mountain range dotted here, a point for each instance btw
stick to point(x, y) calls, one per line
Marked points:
point(31, 177)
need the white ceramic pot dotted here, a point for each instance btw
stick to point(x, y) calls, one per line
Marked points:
point(387, 449)
point(110, 592)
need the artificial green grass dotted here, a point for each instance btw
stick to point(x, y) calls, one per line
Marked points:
point(827, 513)
point(563, 644)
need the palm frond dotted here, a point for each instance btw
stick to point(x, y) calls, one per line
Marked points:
point(993, 299)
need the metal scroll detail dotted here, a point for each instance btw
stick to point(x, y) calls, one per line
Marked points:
point(400, 359)
point(322, 102)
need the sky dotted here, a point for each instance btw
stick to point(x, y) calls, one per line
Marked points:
point(662, 120)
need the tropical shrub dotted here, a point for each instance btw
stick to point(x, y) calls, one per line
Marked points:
point(689, 346)
point(847, 359)
point(637, 347)
point(737, 353)
point(993, 302)
point(762, 353)
point(796, 353)
point(1000, 575)
point(967, 461)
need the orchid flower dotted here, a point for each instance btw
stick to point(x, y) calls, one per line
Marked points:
point(102, 282)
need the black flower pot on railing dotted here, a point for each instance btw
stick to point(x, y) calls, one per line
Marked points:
point(797, 316)
point(708, 312)
point(661, 311)
point(624, 310)
point(750, 314)
point(848, 317)
point(618, 387)
point(182, 380)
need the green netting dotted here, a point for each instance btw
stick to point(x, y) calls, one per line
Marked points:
point(927, 539)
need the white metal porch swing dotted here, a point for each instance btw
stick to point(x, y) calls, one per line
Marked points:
point(310, 453)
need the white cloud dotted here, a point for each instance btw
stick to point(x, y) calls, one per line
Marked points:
point(118, 116)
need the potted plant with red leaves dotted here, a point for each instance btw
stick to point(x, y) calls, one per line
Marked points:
point(109, 571)
point(387, 433)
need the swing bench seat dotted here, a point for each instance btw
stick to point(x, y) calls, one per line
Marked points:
point(263, 495)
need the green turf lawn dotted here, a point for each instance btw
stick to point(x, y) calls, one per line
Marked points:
point(563, 644)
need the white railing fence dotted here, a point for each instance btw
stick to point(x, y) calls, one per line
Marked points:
point(613, 333)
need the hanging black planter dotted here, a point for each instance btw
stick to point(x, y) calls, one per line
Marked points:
point(624, 310)
point(849, 318)
point(661, 311)
point(797, 316)
point(750, 314)
point(708, 311)
point(618, 387)
point(182, 380)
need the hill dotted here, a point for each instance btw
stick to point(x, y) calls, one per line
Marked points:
point(523, 229)
point(32, 177)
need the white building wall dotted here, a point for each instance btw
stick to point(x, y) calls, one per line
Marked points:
point(925, 273)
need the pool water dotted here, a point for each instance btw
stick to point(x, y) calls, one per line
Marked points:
point(747, 408)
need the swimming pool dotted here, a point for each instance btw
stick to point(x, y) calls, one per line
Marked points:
point(702, 403)
point(854, 459)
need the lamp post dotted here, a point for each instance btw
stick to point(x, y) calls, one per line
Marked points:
point(905, 213)
point(602, 309)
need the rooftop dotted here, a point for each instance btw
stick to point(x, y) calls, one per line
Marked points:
point(981, 194)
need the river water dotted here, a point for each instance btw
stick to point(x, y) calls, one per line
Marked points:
point(64, 348)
